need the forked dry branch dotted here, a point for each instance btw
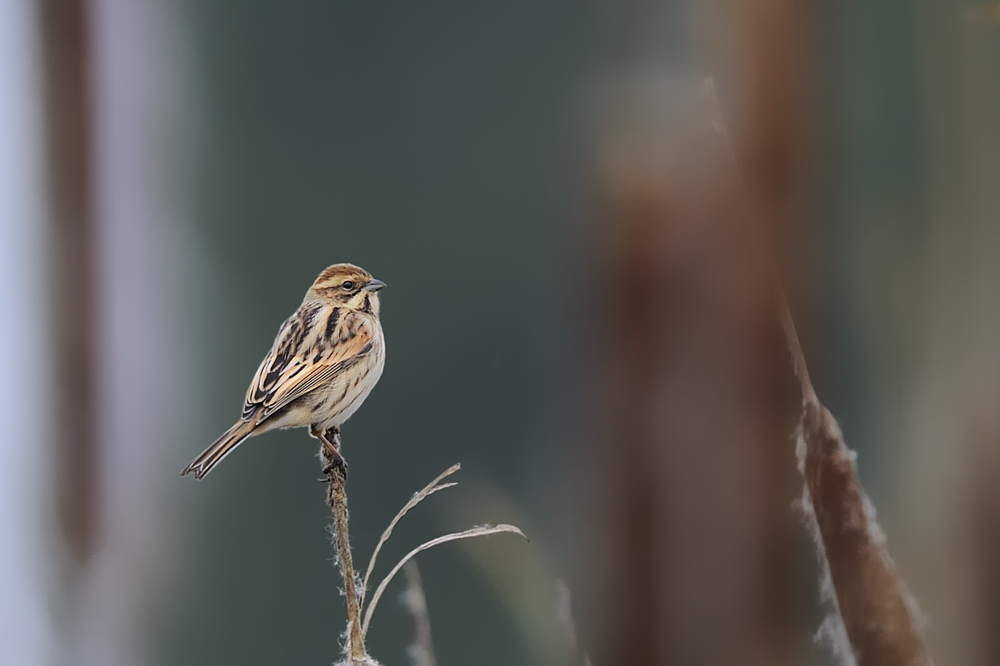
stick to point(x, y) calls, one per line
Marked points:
point(417, 498)
point(354, 589)
point(481, 530)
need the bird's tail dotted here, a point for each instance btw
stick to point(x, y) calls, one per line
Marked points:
point(211, 456)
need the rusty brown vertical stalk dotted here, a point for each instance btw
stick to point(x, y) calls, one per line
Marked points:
point(640, 328)
point(690, 391)
point(879, 623)
point(771, 161)
point(68, 103)
point(770, 150)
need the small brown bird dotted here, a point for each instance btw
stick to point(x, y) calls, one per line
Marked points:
point(324, 362)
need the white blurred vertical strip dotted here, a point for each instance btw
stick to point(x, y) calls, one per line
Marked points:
point(25, 512)
point(143, 259)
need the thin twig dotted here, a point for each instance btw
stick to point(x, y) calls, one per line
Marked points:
point(336, 497)
point(799, 366)
point(422, 648)
point(483, 530)
point(417, 498)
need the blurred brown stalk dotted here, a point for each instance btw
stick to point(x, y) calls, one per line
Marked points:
point(68, 101)
point(692, 400)
point(694, 407)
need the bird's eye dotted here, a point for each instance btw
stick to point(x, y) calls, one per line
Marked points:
point(348, 285)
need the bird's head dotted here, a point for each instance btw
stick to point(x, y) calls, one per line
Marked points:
point(347, 286)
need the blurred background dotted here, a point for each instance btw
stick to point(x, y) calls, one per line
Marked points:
point(173, 175)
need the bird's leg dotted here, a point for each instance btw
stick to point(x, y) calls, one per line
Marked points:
point(331, 446)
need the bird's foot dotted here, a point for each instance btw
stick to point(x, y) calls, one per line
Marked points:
point(336, 462)
point(331, 452)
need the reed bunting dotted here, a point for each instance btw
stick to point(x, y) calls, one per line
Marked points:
point(324, 362)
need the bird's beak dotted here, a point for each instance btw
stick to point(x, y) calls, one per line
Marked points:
point(374, 285)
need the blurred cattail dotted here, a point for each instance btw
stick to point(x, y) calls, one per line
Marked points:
point(691, 400)
point(873, 620)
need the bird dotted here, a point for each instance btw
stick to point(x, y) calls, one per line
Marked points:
point(325, 360)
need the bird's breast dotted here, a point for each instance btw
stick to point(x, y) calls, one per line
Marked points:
point(343, 396)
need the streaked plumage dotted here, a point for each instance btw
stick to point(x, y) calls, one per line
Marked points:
point(324, 362)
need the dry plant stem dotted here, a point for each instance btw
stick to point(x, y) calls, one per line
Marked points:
point(336, 497)
point(880, 625)
point(483, 530)
point(422, 650)
point(417, 498)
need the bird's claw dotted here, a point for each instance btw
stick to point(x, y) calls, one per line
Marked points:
point(331, 452)
point(338, 463)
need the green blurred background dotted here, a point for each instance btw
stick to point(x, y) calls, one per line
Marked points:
point(238, 148)
point(418, 141)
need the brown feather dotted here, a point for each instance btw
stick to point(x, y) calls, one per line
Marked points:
point(323, 363)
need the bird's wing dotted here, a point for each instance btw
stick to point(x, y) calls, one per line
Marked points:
point(314, 345)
